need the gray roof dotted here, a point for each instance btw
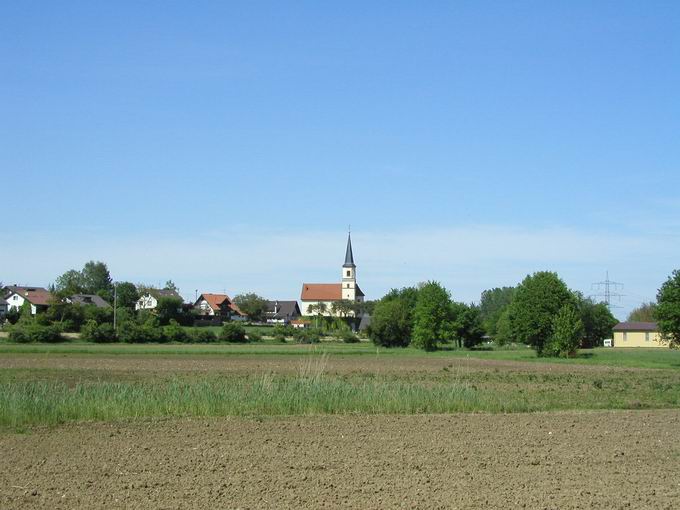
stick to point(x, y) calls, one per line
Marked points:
point(89, 299)
point(636, 326)
point(365, 322)
point(349, 256)
point(161, 293)
point(284, 309)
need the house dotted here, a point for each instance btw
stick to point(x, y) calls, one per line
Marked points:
point(637, 334)
point(282, 312)
point(149, 300)
point(328, 293)
point(38, 297)
point(217, 305)
point(88, 299)
point(300, 323)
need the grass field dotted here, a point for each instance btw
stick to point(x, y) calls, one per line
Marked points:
point(52, 384)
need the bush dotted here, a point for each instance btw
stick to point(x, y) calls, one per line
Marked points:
point(307, 336)
point(133, 333)
point(280, 332)
point(203, 336)
point(25, 333)
point(567, 333)
point(173, 332)
point(233, 333)
point(349, 337)
point(391, 323)
point(99, 333)
point(254, 336)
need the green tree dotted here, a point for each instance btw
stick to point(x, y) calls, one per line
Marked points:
point(126, 295)
point(646, 312)
point(252, 305)
point(167, 309)
point(97, 280)
point(431, 316)
point(597, 320)
point(391, 323)
point(534, 306)
point(504, 334)
point(567, 333)
point(465, 325)
point(232, 332)
point(492, 305)
point(668, 309)
point(341, 308)
point(170, 285)
point(71, 282)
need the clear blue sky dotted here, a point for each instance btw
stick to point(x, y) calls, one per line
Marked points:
point(227, 145)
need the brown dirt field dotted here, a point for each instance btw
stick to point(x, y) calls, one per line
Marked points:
point(623, 459)
point(244, 364)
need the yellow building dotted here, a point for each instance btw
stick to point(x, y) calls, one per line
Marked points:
point(637, 334)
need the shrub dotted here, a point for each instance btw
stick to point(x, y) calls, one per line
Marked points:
point(567, 333)
point(280, 332)
point(391, 323)
point(254, 336)
point(233, 333)
point(35, 333)
point(307, 336)
point(99, 333)
point(349, 337)
point(133, 333)
point(203, 336)
point(173, 332)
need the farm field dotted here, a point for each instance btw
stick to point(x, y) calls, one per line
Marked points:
point(335, 425)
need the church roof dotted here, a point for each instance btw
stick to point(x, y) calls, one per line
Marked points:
point(349, 256)
point(321, 292)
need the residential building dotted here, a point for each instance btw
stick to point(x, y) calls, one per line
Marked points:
point(88, 299)
point(637, 334)
point(149, 300)
point(282, 312)
point(38, 297)
point(217, 305)
point(329, 293)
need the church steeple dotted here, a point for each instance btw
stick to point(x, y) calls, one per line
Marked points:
point(349, 256)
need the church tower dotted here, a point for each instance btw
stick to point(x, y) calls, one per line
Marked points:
point(349, 273)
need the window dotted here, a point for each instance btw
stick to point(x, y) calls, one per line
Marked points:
point(15, 297)
point(625, 336)
point(349, 273)
point(647, 336)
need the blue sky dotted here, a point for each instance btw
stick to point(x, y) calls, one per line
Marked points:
point(228, 145)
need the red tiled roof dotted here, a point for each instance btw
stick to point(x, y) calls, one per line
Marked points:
point(321, 292)
point(215, 301)
point(34, 295)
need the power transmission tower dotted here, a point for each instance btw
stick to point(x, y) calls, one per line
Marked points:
point(607, 289)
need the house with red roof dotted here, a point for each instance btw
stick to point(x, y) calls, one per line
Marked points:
point(328, 293)
point(38, 297)
point(217, 305)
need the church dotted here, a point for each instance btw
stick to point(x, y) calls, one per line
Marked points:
point(329, 293)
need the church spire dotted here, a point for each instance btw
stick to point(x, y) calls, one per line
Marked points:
point(349, 256)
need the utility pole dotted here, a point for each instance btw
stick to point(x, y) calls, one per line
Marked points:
point(115, 304)
point(607, 289)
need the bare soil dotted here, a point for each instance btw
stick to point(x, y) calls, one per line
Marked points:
point(245, 364)
point(622, 459)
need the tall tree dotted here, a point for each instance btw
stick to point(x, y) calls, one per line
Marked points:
point(668, 309)
point(97, 280)
point(465, 325)
point(252, 305)
point(127, 295)
point(536, 302)
point(492, 305)
point(342, 308)
point(170, 285)
point(597, 321)
point(71, 282)
point(646, 312)
point(431, 316)
point(391, 323)
point(567, 333)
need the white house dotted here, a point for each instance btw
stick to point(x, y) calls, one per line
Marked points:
point(149, 300)
point(219, 305)
point(38, 297)
point(329, 293)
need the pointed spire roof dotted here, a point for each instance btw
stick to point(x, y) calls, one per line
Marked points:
point(349, 256)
